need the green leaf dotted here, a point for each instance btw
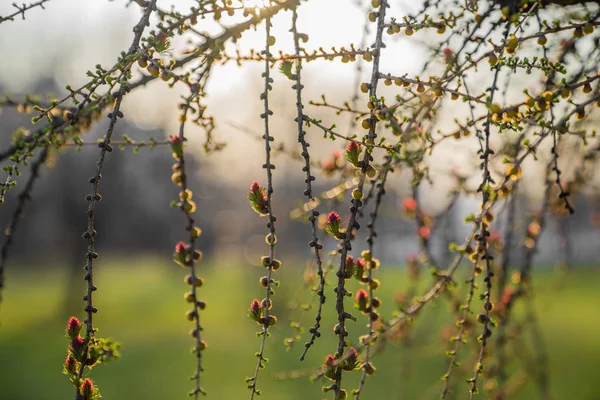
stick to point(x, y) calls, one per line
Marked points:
point(286, 69)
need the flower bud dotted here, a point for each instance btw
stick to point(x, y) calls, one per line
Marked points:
point(333, 224)
point(73, 327)
point(70, 366)
point(352, 361)
point(254, 311)
point(176, 143)
point(87, 390)
point(361, 300)
point(353, 153)
point(258, 199)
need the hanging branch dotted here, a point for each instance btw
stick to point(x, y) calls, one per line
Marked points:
point(345, 243)
point(327, 268)
point(262, 203)
point(510, 223)
point(94, 197)
point(536, 227)
point(186, 254)
point(443, 279)
point(314, 243)
point(460, 336)
point(22, 199)
point(483, 221)
point(564, 195)
point(503, 274)
point(373, 302)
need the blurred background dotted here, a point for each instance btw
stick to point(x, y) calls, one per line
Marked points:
point(140, 296)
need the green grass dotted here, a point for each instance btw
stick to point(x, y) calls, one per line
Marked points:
point(141, 305)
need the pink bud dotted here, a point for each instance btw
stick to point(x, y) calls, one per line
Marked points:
point(353, 147)
point(175, 139)
point(352, 354)
point(329, 360)
point(255, 306)
point(449, 55)
point(362, 295)
point(77, 344)
point(360, 262)
point(181, 247)
point(333, 218)
point(176, 143)
point(73, 327)
point(409, 204)
point(255, 187)
point(70, 365)
point(87, 389)
point(258, 199)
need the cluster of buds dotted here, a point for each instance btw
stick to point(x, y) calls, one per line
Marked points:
point(363, 301)
point(513, 172)
point(258, 199)
point(358, 268)
point(354, 267)
point(88, 391)
point(333, 226)
point(353, 154)
point(353, 151)
point(257, 312)
point(185, 202)
point(449, 56)
point(80, 351)
point(155, 66)
point(535, 106)
point(333, 365)
point(185, 253)
point(176, 143)
point(511, 44)
point(184, 256)
point(79, 355)
point(258, 309)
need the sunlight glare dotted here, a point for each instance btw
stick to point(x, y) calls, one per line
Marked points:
point(256, 3)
